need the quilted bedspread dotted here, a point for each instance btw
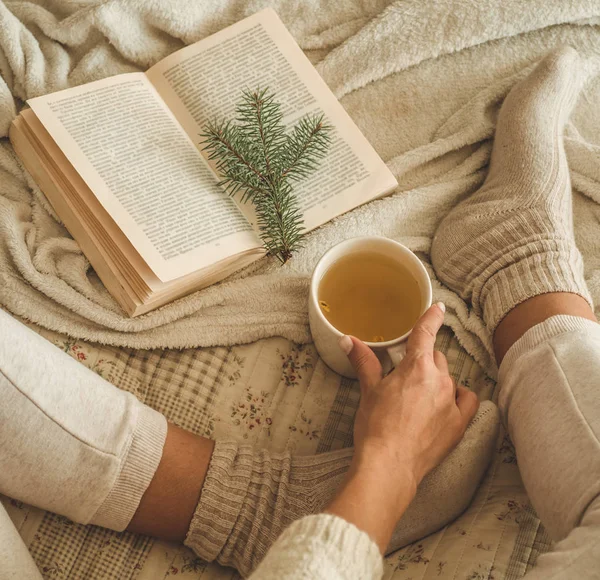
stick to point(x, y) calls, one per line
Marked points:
point(277, 394)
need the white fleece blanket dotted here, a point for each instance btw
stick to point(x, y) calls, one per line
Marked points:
point(423, 81)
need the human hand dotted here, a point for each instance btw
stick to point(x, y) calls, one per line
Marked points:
point(416, 415)
point(405, 425)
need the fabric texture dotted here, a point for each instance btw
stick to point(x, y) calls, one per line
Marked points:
point(548, 396)
point(513, 239)
point(423, 82)
point(564, 494)
point(553, 415)
point(77, 445)
point(16, 561)
point(545, 376)
point(322, 546)
point(275, 395)
point(250, 496)
point(71, 442)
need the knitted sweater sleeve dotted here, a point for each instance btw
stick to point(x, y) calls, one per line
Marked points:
point(321, 547)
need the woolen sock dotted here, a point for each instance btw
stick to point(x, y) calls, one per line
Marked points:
point(250, 496)
point(513, 238)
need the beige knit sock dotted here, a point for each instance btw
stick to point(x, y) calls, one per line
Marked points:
point(249, 496)
point(513, 239)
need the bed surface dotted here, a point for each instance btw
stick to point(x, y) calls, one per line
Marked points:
point(278, 395)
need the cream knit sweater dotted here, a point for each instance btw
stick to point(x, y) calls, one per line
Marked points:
point(318, 547)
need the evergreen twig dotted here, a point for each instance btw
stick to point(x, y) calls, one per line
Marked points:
point(259, 159)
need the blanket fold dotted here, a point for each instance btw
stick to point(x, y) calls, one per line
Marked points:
point(422, 80)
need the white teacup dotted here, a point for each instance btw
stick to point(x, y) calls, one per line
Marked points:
point(326, 336)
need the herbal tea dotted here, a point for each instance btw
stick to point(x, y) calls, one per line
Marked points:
point(370, 296)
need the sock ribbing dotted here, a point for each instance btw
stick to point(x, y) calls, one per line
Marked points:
point(250, 496)
point(513, 238)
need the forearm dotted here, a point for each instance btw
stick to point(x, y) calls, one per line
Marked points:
point(348, 539)
point(373, 499)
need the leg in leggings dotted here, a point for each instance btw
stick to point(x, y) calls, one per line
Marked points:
point(74, 444)
point(550, 401)
point(510, 249)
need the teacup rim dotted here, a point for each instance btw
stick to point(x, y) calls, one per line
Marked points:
point(314, 295)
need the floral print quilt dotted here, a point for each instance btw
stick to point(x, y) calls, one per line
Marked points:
point(277, 394)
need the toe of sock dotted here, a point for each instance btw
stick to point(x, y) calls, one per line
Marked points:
point(449, 489)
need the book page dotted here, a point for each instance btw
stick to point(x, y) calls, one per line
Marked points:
point(204, 81)
point(147, 174)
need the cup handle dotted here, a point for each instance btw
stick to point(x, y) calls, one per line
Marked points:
point(397, 353)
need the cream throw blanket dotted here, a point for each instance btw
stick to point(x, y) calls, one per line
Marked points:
point(423, 81)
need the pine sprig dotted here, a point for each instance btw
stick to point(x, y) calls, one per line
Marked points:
point(257, 158)
point(305, 146)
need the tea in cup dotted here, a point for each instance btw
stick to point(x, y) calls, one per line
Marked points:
point(372, 288)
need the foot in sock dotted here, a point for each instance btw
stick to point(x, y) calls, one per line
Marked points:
point(513, 238)
point(250, 496)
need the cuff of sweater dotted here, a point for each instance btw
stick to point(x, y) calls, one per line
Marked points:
point(320, 545)
point(550, 266)
point(541, 333)
point(223, 493)
point(138, 466)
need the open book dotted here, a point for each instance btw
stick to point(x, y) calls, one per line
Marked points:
point(120, 160)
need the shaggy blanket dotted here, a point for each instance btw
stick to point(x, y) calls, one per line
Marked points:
point(422, 80)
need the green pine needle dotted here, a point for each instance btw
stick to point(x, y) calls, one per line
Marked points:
point(257, 158)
